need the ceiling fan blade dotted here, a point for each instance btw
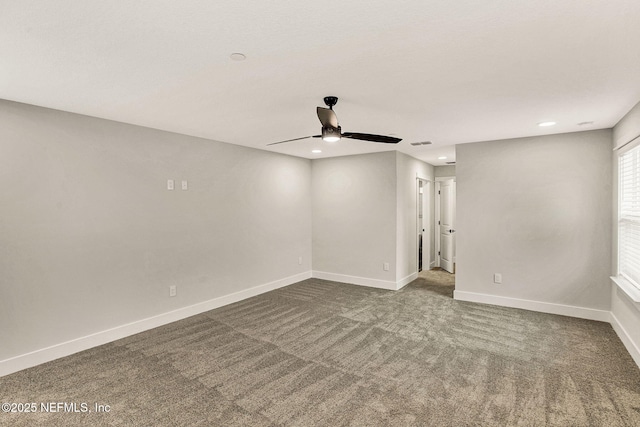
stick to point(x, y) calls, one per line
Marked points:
point(327, 117)
point(372, 138)
point(295, 139)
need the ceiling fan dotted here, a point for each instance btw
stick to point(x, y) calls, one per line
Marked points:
point(332, 132)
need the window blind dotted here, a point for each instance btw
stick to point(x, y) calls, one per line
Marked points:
point(629, 216)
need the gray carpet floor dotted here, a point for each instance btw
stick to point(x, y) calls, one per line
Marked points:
point(321, 353)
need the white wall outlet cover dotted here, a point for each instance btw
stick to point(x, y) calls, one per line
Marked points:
point(185, 184)
point(497, 278)
point(172, 291)
point(299, 260)
point(385, 266)
point(170, 184)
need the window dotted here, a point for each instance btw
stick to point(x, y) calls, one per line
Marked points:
point(629, 216)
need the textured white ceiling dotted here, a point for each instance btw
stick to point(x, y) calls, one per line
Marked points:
point(423, 70)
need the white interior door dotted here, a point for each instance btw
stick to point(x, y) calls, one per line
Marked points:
point(446, 226)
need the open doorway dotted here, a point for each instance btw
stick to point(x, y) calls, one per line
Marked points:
point(423, 226)
point(437, 201)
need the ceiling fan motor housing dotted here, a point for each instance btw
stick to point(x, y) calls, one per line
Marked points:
point(331, 132)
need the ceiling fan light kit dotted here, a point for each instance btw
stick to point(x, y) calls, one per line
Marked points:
point(332, 132)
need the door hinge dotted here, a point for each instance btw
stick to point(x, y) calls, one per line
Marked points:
point(438, 222)
point(438, 252)
point(438, 191)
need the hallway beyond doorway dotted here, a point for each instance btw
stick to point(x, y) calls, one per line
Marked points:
point(438, 276)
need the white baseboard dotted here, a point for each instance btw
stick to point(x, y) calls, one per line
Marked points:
point(543, 307)
point(365, 281)
point(355, 280)
point(626, 339)
point(44, 355)
point(404, 282)
point(53, 352)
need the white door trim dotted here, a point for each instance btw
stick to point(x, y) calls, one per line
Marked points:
point(436, 221)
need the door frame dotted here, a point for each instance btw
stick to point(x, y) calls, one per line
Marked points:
point(427, 224)
point(436, 220)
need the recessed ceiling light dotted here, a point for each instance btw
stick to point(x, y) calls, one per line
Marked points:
point(585, 123)
point(545, 124)
point(316, 151)
point(238, 56)
point(442, 158)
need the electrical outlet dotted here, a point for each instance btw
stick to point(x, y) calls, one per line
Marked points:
point(385, 266)
point(185, 184)
point(299, 260)
point(170, 184)
point(172, 290)
point(497, 278)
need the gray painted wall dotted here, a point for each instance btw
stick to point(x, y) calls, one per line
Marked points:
point(365, 214)
point(354, 215)
point(92, 239)
point(537, 210)
point(448, 170)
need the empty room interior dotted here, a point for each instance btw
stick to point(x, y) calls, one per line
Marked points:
point(358, 213)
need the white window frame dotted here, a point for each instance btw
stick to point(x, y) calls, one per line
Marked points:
point(628, 275)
